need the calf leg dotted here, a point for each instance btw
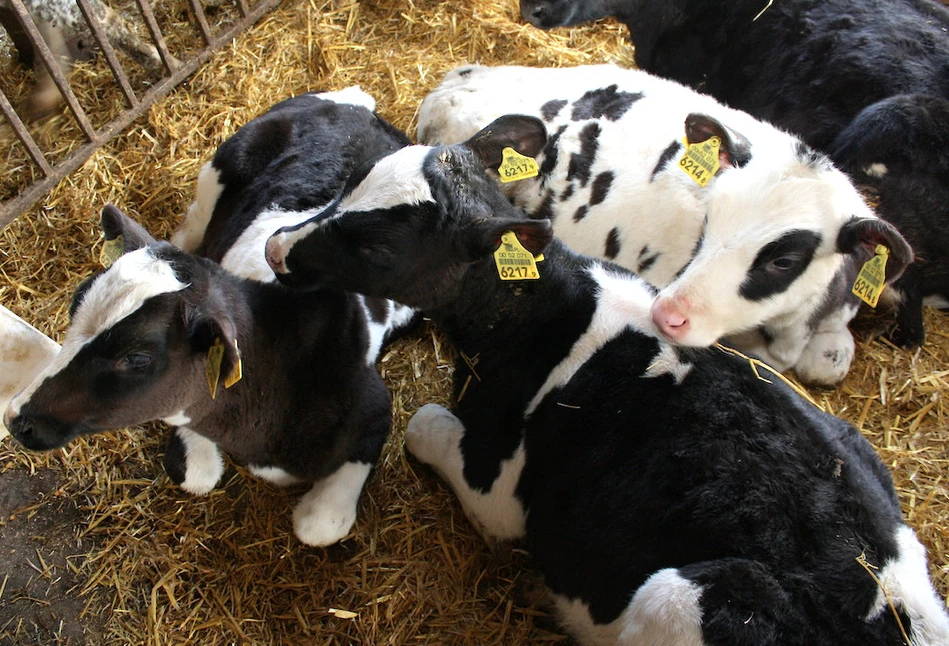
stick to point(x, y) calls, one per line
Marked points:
point(829, 352)
point(327, 512)
point(193, 461)
point(434, 437)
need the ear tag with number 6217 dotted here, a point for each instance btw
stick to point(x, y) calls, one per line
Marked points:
point(872, 277)
point(515, 166)
point(213, 368)
point(700, 160)
point(514, 262)
point(111, 251)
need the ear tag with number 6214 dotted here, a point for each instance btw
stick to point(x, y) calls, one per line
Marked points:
point(700, 160)
point(514, 262)
point(515, 166)
point(872, 277)
point(111, 251)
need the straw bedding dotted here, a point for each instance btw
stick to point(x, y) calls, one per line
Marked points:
point(143, 562)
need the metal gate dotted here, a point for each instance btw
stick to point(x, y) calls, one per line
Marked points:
point(176, 70)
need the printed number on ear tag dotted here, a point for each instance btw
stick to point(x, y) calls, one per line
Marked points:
point(872, 277)
point(700, 160)
point(111, 251)
point(515, 166)
point(514, 262)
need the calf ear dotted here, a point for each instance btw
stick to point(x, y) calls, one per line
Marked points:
point(206, 321)
point(860, 236)
point(527, 135)
point(115, 224)
point(735, 150)
point(534, 235)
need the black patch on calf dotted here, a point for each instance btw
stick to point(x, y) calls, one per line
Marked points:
point(175, 460)
point(464, 73)
point(551, 153)
point(601, 187)
point(582, 162)
point(581, 213)
point(645, 261)
point(551, 109)
point(546, 209)
point(604, 103)
point(378, 309)
point(612, 244)
point(779, 263)
point(667, 155)
point(567, 193)
point(810, 157)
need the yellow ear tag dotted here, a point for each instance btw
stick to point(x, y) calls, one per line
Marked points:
point(213, 368)
point(111, 251)
point(515, 166)
point(238, 370)
point(872, 277)
point(514, 262)
point(700, 160)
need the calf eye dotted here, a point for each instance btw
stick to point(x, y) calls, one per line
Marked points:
point(785, 263)
point(135, 361)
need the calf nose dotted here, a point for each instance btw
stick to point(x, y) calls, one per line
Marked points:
point(275, 255)
point(670, 320)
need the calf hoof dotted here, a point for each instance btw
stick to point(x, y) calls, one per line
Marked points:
point(826, 359)
point(327, 512)
point(42, 103)
point(433, 434)
point(193, 462)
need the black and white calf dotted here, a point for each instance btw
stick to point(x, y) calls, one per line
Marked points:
point(309, 405)
point(765, 253)
point(668, 494)
point(813, 67)
point(69, 37)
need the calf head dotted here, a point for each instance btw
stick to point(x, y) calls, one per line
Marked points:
point(136, 347)
point(772, 246)
point(410, 225)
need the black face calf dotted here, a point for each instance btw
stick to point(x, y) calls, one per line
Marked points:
point(669, 495)
point(153, 335)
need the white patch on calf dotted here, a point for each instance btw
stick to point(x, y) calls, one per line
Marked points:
point(117, 293)
point(935, 300)
point(394, 180)
point(667, 363)
point(623, 302)
point(397, 316)
point(434, 437)
point(246, 257)
point(178, 419)
point(204, 465)
point(274, 475)
point(327, 512)
point(664, 610)
point(906, 580)
point(190, 234)
point(352, 95)
point(876, 170)
point(827, 356)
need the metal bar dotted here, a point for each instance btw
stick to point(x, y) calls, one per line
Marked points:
point(202, 21)
point(53, 66)
point(10, 209)
point(170, 61)
point(24, 135)
point(103, 40)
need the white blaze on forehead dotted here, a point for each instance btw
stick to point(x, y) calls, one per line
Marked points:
point(395, 180)
point(133, 279)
